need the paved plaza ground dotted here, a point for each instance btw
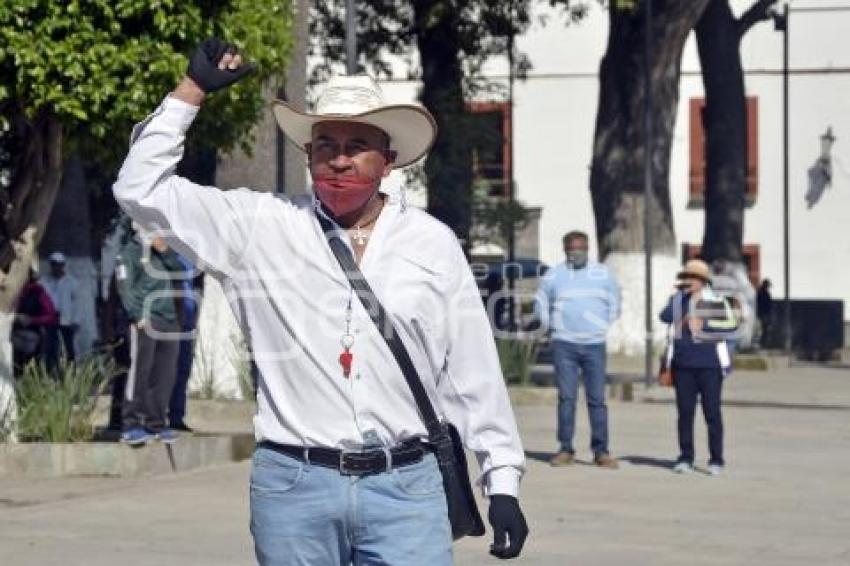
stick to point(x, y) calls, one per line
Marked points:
point(785, 499)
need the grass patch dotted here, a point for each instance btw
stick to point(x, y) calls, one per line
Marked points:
point(750, 362)
point(517, 358)
point(59, 406)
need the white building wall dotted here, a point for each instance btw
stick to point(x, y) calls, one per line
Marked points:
point(555, 113)
point(817, 101)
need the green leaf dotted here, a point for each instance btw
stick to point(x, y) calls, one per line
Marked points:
point(101, 65)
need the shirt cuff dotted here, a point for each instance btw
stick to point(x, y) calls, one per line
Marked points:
point(179, 113)
point(176, 114)
point(502, 481)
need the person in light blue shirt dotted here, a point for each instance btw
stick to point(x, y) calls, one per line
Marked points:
point(577, 302)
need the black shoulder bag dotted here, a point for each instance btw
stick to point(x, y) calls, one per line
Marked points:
point(442, 436)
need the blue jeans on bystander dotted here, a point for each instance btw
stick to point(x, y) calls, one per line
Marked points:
point(588, 360)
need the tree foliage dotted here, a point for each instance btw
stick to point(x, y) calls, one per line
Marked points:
point(719, 34)
point(101, 65)
point(495, 219)
point(75, 76)
point(445, 44)
point(393, 27)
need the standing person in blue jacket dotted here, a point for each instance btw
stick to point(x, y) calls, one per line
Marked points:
point(578, 301)
point(701, 321)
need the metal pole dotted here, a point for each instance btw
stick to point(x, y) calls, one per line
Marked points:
point(511, 191)
point(648, 192)
point(350, 37)
point(786, 184)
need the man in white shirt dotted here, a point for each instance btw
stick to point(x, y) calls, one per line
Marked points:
point(328, 384)
point(64, 293)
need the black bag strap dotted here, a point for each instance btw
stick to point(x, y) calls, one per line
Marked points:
point(385, 326)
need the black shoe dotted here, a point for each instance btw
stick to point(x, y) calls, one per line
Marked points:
point(181, 426)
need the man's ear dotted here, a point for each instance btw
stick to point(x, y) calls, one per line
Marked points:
point(389, 157)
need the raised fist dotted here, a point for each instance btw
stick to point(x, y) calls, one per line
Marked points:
point(216, 64)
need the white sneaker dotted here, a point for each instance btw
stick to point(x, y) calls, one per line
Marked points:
point(715, 469)
point(683, 468)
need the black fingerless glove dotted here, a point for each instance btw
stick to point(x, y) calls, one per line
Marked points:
point(509, 526)
point(203, 66)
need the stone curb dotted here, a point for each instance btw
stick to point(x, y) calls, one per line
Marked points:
point(46, 460)
point(532, 395)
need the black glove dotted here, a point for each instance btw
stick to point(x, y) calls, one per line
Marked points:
point(509, 526)
point(203, 66)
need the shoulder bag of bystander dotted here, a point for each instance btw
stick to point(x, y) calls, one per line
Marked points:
point(666, 377)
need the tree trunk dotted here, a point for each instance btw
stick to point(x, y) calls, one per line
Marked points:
point(8, 406)
point(36, 175)
point(725, 124)
point(12, 282)
point(719, 36)
point(617, 169)
point(449, 164)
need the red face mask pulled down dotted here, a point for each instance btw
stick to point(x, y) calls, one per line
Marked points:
point(343, 195)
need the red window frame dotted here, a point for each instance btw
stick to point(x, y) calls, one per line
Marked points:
point(507, 133)
point(696, 173)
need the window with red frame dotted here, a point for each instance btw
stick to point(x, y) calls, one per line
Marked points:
point(490, 130)
point(698, 161)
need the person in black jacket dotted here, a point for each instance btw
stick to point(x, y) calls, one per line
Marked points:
point(699, 357)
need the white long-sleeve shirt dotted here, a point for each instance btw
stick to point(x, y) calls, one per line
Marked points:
point(290, 295)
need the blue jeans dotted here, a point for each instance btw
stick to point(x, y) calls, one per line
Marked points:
point(570, 360)
point(309, 515)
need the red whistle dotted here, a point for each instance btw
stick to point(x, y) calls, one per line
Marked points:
point(345, 360)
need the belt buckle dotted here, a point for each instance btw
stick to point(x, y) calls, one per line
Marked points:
point(343, 470)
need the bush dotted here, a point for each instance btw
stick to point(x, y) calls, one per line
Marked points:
point(517, 358)
point(59, 407)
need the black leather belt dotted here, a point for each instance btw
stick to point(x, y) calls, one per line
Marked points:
point(354, 463)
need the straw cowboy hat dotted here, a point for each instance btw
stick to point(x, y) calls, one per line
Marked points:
point(358, 98)
point(695, 268)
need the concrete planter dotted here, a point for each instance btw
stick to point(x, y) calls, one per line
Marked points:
point(45, 460)
point(532, 395)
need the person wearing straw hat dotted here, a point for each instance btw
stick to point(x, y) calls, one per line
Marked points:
point(701, 321)
point(328, 386)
